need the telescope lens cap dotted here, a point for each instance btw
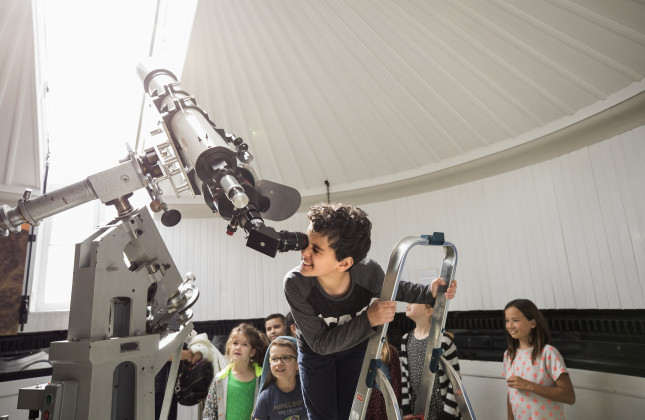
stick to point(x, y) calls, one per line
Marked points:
point(170, 218)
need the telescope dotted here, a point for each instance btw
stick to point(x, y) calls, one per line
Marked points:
point(130, 309)
point(212, 163)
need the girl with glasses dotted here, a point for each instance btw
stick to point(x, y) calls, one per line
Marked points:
point(281, 395)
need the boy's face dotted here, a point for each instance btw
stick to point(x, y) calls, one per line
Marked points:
point(285, 368)
point(274, 328)
point(319, 259)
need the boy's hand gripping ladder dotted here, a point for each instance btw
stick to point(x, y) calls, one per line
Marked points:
point(370, 372)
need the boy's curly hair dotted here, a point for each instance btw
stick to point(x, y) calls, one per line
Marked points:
point(346, 227)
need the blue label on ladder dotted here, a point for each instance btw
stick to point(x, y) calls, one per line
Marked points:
point(434, 361)
point(436, 238)
point(375, 365)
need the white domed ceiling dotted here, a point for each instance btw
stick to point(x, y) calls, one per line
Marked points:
point(365, 93)
point(385, 97)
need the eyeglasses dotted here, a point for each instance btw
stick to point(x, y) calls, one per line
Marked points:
point(285, 359)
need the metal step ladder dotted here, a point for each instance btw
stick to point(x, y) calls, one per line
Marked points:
point(372, 375)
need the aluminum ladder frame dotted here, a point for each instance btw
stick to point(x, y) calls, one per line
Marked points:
point(371, 375)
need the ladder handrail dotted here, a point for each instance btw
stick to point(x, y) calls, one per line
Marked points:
point(388, 292)
point(437, 323)
point(389, 396)
point(463, 403)
point(375, 343)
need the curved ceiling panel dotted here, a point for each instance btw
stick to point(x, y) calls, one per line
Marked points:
point(362, 93)
point(21, 155)
point(369, 94)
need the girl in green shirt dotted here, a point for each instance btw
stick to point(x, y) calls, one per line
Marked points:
point(232, 394)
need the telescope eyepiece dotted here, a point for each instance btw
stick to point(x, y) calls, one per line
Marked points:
point(292, 241)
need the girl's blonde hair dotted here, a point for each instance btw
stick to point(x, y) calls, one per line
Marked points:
point(281, 342)
point(386, 352)
point(254, 336)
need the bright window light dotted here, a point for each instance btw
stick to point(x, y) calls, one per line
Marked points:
point(95, 94)
point(93, 107)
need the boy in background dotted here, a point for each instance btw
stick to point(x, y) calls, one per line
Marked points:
point(275, 325)
point(333, 296)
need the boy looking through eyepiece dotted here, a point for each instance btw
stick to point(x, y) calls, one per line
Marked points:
point(333, 296)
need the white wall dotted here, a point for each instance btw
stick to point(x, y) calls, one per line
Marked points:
point(9, 396)
point(598, 395)
point(567, 233)
point(9, 400)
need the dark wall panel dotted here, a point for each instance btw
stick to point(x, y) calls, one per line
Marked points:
point(13, 252)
